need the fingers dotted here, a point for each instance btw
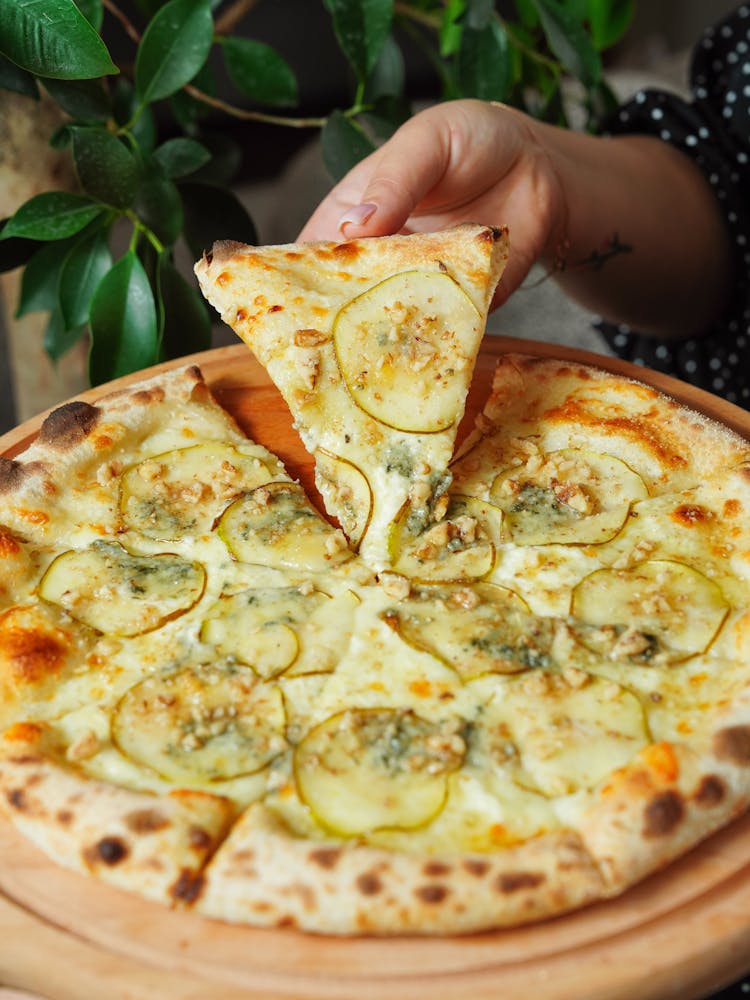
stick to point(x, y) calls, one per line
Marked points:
point(379, 195)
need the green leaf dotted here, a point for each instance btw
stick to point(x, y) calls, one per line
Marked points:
point(142, 125)
point(159, 206)
point(52, 216)
point(609, 20)
point(527, 13)
point(259, 71)
point(343, 144)
point(52, 38)
point(14, 78)
point(82, 270)
point(122, 322)
point(568, 40)
point(93, 11)
point(41, 278)
point(16, 252)
point(479, 14)
point(180, 157)
point(187, 322)
point(84, 100)
point(387, 115)
point(226, 159)
point(484, 65)
point(450, 27)
point(105, 167)
point(58, 338)
point(213, 213)
point(361, 27)
point(388, 79)
point(174, 47)
point(187, 110)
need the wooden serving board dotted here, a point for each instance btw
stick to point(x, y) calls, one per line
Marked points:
point(679, 934)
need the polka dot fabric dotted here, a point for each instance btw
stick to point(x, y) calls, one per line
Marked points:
point(714, 131)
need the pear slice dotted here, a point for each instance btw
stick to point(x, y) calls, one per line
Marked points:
point(578, 733)
point(270, 629)
point(345, 489)
point(372, 769)
point(109, 589)
point(660, 611)
point(567, 496)
point(275, 525)
point(396, 346)
point(485, 630)
point(184, 490)
point(201, 724)
point(459, 546)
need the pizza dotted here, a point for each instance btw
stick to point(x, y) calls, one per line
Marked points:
point(532, 691)
point(372, 344)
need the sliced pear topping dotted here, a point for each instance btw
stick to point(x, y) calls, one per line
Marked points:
point(405, 350)
point(580, 730)
point(485, 629)
point(113, 591)
point(657, 612)
point(275, 525)
point(567, 496)
point(370, 769)
point(186, 489)
point(201, 724)
point(459, 546)
point(346, 490)
point(273, 628)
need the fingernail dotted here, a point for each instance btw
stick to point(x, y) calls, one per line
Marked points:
point(357, 215)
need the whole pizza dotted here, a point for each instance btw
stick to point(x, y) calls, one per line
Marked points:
point(491, 684)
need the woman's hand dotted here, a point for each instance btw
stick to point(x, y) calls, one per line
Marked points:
point(462, 161)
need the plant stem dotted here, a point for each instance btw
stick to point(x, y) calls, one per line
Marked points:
point(255, 116)
point(231, 17)
point(123, 19)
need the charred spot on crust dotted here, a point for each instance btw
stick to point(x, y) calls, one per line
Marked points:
point(69, 424)
point(146, 821)
point(200, 839)
point(13, 473)
point(509, 882)
point(350, 250)
point(710, 792)
point(64, 817)
point(109, 850)
point(17, 798)
point(326, 857)
point(432, 893)
point(434, 869)
point(188, 886)
point(369, 884)
point(476, 867)
point(733, 743)
point(663, 813)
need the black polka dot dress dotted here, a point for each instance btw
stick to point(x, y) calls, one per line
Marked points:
point(713, 129)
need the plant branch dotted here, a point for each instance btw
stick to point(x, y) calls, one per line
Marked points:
point(232, 16)
point(414, 14)
point(115, 11)
point(254, 116)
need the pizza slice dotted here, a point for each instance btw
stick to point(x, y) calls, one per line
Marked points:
point(372, 344)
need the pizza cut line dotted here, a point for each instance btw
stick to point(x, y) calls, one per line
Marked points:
point(536, 693)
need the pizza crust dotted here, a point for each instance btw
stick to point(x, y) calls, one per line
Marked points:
point(263, 875)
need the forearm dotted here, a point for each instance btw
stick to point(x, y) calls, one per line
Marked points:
point(640, 238)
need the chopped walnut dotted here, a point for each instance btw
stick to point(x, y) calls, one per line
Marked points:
point(440, 507)
point(419, 493)
point(465, 598)
point(150, 470)
point(335, 543)
point(575, 677)
point(630, 643)
point(86, 746)
point(395, 585)
point(309, 337)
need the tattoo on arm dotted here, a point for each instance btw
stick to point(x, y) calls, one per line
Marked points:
point(613, 247)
